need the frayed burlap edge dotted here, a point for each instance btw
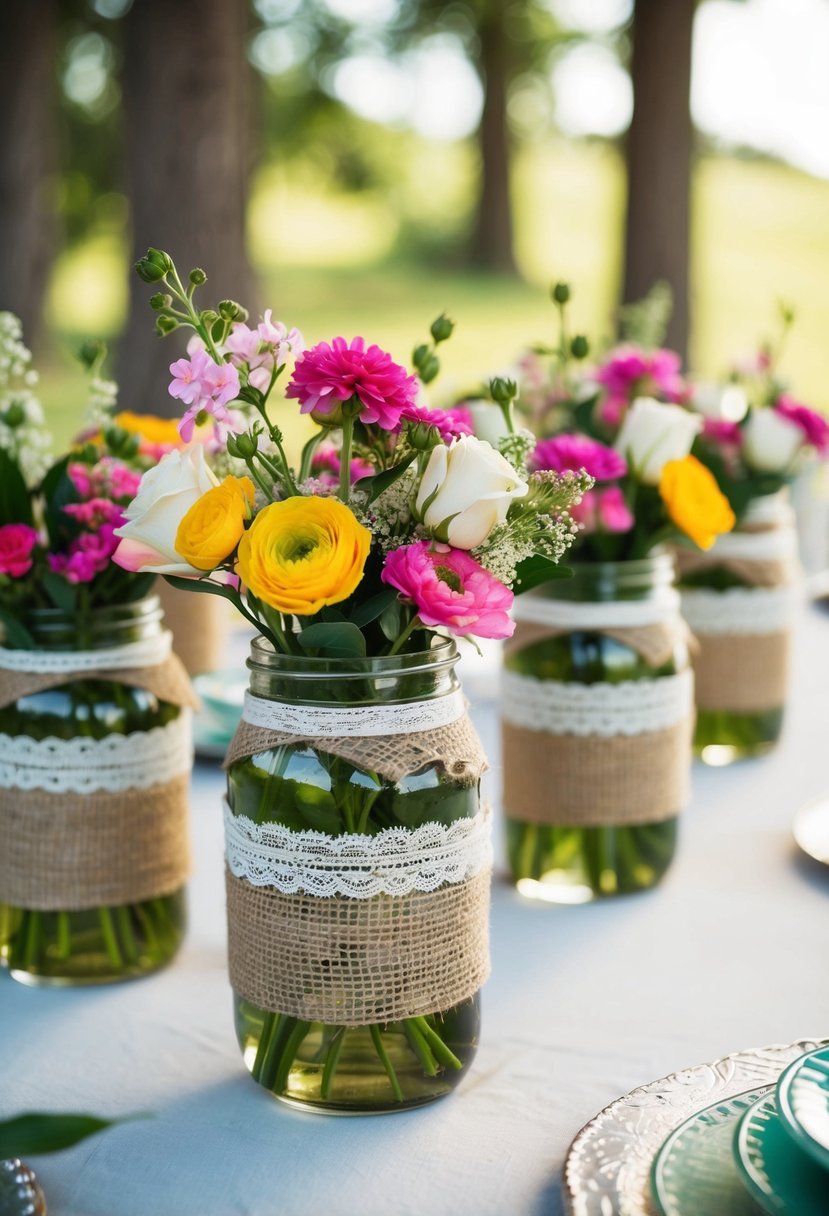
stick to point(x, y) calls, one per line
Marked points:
point(168, 681)
point(358, 962)
point(455, 748)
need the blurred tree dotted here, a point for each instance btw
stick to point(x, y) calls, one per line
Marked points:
point(186, 94)
point(28, 91)
point(659, 156)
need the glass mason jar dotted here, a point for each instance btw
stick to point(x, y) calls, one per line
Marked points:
point(101, 944)
point(571, 862)
point(326, 1067)
point(738, 601)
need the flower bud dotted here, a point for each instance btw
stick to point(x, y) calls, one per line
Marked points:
point(442, 328)
point(579, 347)
point(153, 266)
point(15, 415)
point(422, 436)
point(560, 293)
point(165, 325)
point(159, 301)
point(197, 276)
point(502, 390)
point(229, 310)
point(242, 446)
point(91, 352)
point(429, 368)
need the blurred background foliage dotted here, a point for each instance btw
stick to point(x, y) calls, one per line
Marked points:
point(371, 199)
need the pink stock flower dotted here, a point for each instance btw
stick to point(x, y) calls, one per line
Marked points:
point(16, 544)
point(450, 424)
point(574, 452)
point(326, 466)
point(206, 387)
point(95, 512)
point(629, 371)
point(327, 375)
point(88, 556)
point(186, 385)
point(264, 348)
point(603, 510)
point(449, 588)
point(81, 477)
point(109, 478)
point(814, 426)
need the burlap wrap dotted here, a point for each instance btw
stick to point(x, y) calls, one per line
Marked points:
point(456, 749)
point(199, 626)
point(743, 673)
point(357, 962)
point(766, 573)
point(72, 851)
point(654, 643)
point(68, 852)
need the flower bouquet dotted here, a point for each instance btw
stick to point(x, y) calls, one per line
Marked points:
point(597, 698)
point(740, 597)
point(94, 719)
point(357, 852)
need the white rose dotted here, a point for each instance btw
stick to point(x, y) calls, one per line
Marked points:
point(466, 490)
point(654, 433)
point(723, 402)
point(165, 495)
point(770, 441)
point(488, 421)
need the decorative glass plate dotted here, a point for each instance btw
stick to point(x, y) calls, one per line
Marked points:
point(811, 830)
point(778, 1175)
point(695, 1171)
point(803, 1104)
point(607, 1171)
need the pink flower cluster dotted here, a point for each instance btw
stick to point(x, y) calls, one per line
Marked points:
point(104, 489)
point(814, 426)
point(326, 466)
point(108, 478)
point(574, 452)
point(450, 424)
point(263, 349)
point(17, 543)
point(603, 510)
point(450, 589)
point(329, 374)
point(629, 371)
point(206, 388)
point(89, 554)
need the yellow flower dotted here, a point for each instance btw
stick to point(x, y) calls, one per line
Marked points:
point(149, 428)
point(303, 553)
point(694, 501)
point(212, 528)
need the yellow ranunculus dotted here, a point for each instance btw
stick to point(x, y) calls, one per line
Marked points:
point(213, 526)
point(695, 502)
point(150, 428)
point(303, 553)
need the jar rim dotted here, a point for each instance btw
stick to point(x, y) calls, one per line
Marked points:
point(264, 657)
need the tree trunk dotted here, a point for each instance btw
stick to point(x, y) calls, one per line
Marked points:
point(27, 157)
point(491, 244)
point(186, 123)
point(659, 154)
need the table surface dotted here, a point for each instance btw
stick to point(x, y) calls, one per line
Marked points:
point(584, 1004)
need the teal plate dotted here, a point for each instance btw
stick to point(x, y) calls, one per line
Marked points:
point(777, 1175)
point(694, 1170)
point(803, 1103)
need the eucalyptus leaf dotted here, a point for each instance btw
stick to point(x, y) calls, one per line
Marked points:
point(391, 620)
point(334, 639)
point(535, 570)
point(61, 592)
point(373, 607)
point(38, 1133)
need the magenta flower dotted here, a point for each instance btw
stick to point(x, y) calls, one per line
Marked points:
point(95, 512)
point(603, 510)
point(449, 588)
point(574, 452)
point(814, 426)
point(325, 466)
point(629, 371)
point(17, 542)
point(325, 376)
point(88, 556)
point(450, 424)
point(721, 433)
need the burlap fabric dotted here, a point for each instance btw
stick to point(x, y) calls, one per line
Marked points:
point(168, 681)
point(68, 852)
point(456, 749)
point(655, 643)
point(199, 624)
point(743, 673)
point(357, 962)
point(766, 573)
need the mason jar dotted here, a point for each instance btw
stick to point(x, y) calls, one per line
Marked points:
point(597, 715)
point(67, 744)
point(342, 1009)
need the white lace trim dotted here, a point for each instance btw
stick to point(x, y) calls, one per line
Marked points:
point(115, 763)
point(331, 721)
point(770, 509)
point(147, 653)
point(396, 861)
point(615, 614)
point(632, 707)
point(779, 544)
point(740, 610)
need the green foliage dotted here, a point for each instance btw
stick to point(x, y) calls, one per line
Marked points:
point(31, 1134)
point(534, 571)
point(15, 503)
point(334, 639)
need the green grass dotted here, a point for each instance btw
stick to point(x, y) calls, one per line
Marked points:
point(760, 234)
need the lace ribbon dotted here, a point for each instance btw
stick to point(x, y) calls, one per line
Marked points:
point(632, 707)
point(740, 610)
point(338, 721)
point(397, 861)
point(149, 652)
point(613, 614)
point(770, 510)
point(776, 544)
point(116, 763)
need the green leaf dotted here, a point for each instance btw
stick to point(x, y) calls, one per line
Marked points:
point(318, 809)
point(535, 570)
point(36, 1133)
point(15, 501)
point(373, 607)
point(13, 633)
point(58, 491)
point(391, 620)
point(252, 395)
point(62, 593)
point(381, 481)
point(334, 639)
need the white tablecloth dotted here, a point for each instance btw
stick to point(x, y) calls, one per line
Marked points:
point(584, 1004)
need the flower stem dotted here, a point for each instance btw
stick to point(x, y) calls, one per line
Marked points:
point(345, 456)
point(403, 637)
point(331, 1059)
point(380, 1048)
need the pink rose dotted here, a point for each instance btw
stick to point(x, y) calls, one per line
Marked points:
point(449, 588)
point(16, 544)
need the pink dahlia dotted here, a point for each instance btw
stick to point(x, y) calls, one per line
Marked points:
point(325, 466)
point(814, 426)
point(325, 376)
point(578, 452)
point(88, 556)
point(449, 588)
point(16, 544)
point(450, 424)
point(629, 371)
point(603, 510)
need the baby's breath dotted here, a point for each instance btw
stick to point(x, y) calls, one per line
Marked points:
point(23, 433)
